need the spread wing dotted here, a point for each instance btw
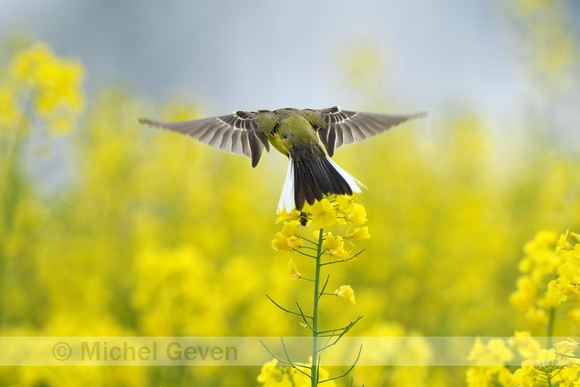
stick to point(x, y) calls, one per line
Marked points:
point(236, 133)
point(345, 127)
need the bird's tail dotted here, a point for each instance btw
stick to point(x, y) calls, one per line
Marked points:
point(309, 179)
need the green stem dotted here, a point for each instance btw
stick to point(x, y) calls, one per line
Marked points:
point(314, 367)
point(11, 183)
point(550, 328)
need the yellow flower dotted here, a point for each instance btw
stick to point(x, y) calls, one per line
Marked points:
point(359, 233)
point(289, 239)
point(316, 234)
point(273, 375)
point(478, 349)
point(573, 265)
point(526, 376)
point(301, 380)
point(523, 298)
point(344, 200)
point(561, 289)
point(538, 317)
point(294, 270)
point(56, 85)
point(542, 240)
point(506, 378)
point(280, 242)
point(341, 254)
point(332, 243)
point(524, 344)
point(24, 66)
point(357, 215)
point(566, 347)
point(295, 242)
point(343, 206)
point(323, 214)
point(495, 353)
point(478, 377)
point(335, 246)
point(59, 85)
point(548, 301)
point(10, 113)
point(546, 357)
point(293, 215)
point(569, 376)
point(346, 293)
point(563, 245)
point(293, 234)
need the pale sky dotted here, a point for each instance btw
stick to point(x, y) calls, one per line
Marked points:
point(267, 54)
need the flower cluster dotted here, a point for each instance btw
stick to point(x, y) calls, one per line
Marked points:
point(275, 375)
point(324, 213)
point(538, 268)
point(289, 239)
point(547, 256)
point(567, 284)
point(327, 212)
point(492, 361)
point(47, 83)
point(325, 248)
point(556, 366)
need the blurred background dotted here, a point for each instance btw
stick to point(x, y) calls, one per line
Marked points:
point(109, 228)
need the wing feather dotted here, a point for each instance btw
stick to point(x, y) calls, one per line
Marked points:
point(217, 136)
point(345, 127)
point(237, 133)
point(255, 147)
point(237, 142)
point(226, 142)
point(244, 142)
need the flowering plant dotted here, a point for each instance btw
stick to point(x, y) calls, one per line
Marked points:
point(325, 249)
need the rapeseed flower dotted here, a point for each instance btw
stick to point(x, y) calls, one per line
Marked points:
point(526, 375)
point(294, 270)
point(10, 112)
point(275, 375)
point(494, 353)
point(340, 254)
point(346, 293)
point(323, 214)
point(289, 239)
point(359, 233)
point(524, 344)
point(293, 215)
point(536, 292)
point(567, 285)
point(331, 242)
point(54, 84)
point(566, 347)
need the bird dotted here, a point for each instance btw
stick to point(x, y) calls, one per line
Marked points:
point(308, 137)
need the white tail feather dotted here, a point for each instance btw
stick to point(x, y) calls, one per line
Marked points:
point(351, 181)
point(286, 202)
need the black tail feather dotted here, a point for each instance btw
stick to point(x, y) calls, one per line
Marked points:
point(314, 178)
